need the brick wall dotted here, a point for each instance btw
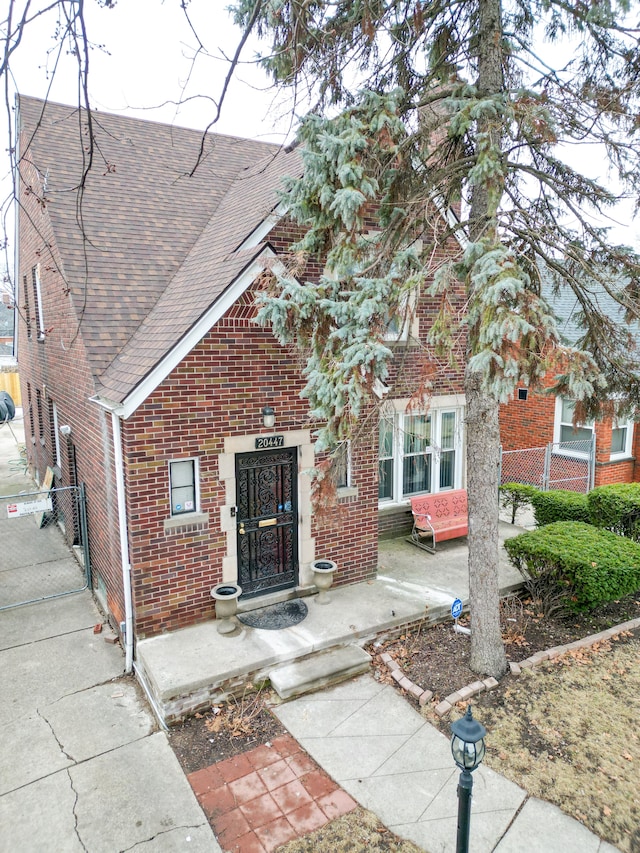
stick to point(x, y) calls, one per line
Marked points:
point(530, 424)
point(55, 370)
point(217, 391)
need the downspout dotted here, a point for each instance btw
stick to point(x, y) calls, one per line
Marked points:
point(124, 543)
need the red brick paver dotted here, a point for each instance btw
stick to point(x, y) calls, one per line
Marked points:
point(259, 800)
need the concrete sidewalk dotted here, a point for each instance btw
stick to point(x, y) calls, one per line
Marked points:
point(82, 764)
point(383, 753)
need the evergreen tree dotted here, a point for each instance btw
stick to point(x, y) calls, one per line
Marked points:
point(482, 105)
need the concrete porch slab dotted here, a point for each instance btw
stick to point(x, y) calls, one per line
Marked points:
point(188, 670)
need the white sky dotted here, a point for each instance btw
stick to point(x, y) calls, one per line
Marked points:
point(146, 62)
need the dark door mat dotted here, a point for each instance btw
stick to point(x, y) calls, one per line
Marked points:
point(282, 615)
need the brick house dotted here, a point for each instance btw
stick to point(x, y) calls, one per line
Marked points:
point(534, 420)
point(136, 285)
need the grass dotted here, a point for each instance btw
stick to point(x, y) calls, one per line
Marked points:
point(568, 733)
point(360, 830)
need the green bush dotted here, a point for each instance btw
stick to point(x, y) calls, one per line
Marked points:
point(516, 495)
point(572, 566)
point(617, 508)
point(559, 505)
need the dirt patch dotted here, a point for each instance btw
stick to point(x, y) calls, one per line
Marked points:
point(357, 831)
point(224, 731)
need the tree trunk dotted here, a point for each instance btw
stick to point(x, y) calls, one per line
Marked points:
point(483, 434)
point(483, 463)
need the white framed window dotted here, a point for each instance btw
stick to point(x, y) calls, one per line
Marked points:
point(404, 323)
point(342, 465)
point(621, 439)
point(184, 486)
point(573, 440)
point(419, 453)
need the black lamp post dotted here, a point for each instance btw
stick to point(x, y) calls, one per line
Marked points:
point(467, 748)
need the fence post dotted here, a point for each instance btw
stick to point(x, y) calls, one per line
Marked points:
point(546, 474)
point(82, 500)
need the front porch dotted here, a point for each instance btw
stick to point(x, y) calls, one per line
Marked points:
point(190, 669)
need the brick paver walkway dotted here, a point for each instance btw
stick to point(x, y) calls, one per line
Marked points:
point(267, 796)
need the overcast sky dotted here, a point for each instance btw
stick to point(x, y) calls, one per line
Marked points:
point(146, 63)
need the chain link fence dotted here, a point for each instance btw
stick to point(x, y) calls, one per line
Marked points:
point(559, 465)
point(44, 546)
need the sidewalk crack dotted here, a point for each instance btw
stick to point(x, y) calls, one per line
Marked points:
point(162, 832)
point(75, 814)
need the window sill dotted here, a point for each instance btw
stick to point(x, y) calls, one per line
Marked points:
point(347, 492)
point(187, 519)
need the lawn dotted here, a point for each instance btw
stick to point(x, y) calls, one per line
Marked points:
point(568, 733)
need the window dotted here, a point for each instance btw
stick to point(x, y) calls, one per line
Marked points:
point(574, 440)
point(404, 323)
point(342, 465)
point(183, 486)
point(37, 301)
point(621, 439)
point(419, 453)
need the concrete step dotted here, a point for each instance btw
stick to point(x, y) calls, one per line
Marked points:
point(318, 671)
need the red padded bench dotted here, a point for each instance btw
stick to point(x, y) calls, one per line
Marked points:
point(439, 517)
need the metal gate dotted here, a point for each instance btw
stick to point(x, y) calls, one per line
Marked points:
point(267, 519)
point(44, 550)
point(559, 465)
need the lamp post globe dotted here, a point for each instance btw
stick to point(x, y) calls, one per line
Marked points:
point(467, 748)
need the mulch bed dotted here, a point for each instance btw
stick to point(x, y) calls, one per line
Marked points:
point(437, 658)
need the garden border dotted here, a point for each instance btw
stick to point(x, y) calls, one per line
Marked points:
point(464, 693)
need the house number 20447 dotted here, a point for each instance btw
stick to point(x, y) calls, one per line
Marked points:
point(266, 442)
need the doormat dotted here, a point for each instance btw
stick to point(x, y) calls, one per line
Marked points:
point(282, 615)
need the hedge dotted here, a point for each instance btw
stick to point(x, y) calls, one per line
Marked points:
point(559, 505)
point(617, 508)
point(573, 566)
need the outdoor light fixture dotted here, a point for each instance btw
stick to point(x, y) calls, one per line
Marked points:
point(65, 429)
point(467, 748)
point(268, 417)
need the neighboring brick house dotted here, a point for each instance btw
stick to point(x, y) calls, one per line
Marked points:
point(137, 284)
point(533, 420)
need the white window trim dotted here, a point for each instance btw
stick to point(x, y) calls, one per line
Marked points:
point(437, 407)
point(189, 513)
point(557, 431)
point(626, 453)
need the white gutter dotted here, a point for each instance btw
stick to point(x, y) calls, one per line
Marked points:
point(124, 544)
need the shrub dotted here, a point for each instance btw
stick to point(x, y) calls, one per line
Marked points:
point(617, 508)
point(559, 505)
point(572, 566)
point(516, 495)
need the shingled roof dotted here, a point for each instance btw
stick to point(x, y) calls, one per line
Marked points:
point(156, 246)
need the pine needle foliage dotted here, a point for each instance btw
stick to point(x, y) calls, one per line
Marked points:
point(501, 110)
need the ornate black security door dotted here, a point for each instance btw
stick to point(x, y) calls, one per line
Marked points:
point(267, 517)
